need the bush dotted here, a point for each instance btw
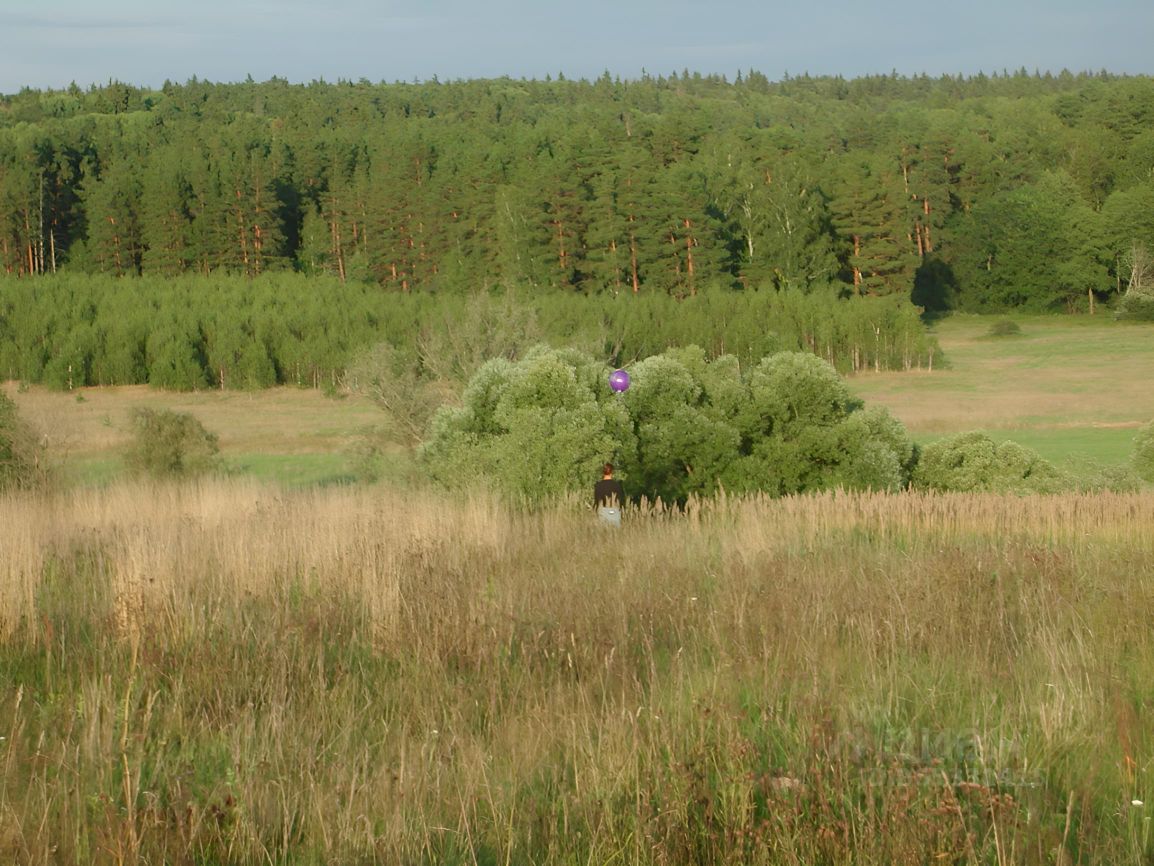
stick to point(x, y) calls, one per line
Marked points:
point(974, 463)
point(1093, 476)
point(374, 456)
point(1005, 328)
point(687, 426)
point(531, 429)
point(22, 460)
point(1143, 456)
point(169, 444)
point(400, 386)
point(808, 432)
point(1135, 308)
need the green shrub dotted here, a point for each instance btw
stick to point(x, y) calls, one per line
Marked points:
point(532, 429)
point(400, 385)
point(168, 444)
point(1004, 328)
point(22, 459)
point(974, 463)
point(808, 432)
point(687, 426)
point(1093, 476)
point(1143, 456)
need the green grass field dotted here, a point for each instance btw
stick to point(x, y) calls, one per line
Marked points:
point(297, 437)
point(1075, 389)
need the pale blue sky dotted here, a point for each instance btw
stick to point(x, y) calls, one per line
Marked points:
point(50, 43)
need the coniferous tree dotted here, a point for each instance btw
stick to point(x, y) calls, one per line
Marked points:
point(868, 210)
point(115, 242)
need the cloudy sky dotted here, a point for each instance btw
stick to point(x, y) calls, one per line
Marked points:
point(144, 42)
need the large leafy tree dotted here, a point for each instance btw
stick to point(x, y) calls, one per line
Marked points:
point(167, 207)
point(868, 209)
point(532, 429)
point(1034, 246)
point(686, 426)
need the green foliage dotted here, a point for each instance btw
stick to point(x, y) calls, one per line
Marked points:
point(974, 463)
point(466, 335)
point(532, 429)
point(542, 426)
point(1033, 247)
point(1136, 307)
point(22, 459)
point(982, 193)
point(1143, 457)
point(1137, 302)
point(1094, 476)
point(1005, 328)
point(188, 333)
point(373, 456)
point(400, 387)
point(810, 433)
point(168, 444)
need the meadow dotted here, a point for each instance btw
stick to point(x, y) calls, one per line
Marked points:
point(1073, 388)
point(226, 673)
point(280, 668)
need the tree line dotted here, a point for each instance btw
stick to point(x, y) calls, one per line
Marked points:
point(195, 331)
point(1012, 190)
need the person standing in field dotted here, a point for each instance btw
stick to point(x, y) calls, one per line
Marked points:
point(608, 497)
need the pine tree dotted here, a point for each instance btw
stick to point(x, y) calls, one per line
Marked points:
point(115, 232)
point(166, 215)
point(868, 211)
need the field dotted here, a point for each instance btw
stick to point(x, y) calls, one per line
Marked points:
point(224, 673)
point(1073, 388)
point(289, 435)
point(276, 668)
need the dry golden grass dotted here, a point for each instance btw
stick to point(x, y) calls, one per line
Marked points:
point(95, 421)
point(226, 672)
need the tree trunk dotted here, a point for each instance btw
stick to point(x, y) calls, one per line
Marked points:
point(116, 247)
point(561, 253)
point(689, 244)
point(633, 261)
point(335, 234)
point(856, 269)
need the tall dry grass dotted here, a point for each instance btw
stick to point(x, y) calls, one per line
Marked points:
point(228, 673)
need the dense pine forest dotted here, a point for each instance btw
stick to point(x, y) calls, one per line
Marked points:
point(1010, 191)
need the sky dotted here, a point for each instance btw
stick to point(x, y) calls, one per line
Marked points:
point(146, 42)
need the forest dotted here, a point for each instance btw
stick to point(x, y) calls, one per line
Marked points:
point(1012, 191)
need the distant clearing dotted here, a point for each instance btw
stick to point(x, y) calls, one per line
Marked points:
point(1071, 388)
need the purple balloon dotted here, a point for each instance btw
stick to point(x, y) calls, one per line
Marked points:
point(619, 381)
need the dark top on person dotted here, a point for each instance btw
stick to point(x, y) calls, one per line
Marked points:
point(608, 493)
